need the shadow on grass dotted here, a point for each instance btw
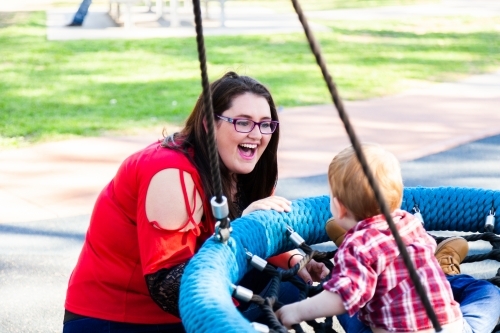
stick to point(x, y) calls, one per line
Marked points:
point(8, 19)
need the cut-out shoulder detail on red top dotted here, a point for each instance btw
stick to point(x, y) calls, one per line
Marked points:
point(190, 211)
point(122, 246)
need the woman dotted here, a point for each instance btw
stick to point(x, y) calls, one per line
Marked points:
point(155, 214)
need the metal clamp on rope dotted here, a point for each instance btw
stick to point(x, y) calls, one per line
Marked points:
point(489, 224)
point(242, 293)
point(256, 261)
point(295, 237)
point(260, 327)
point(417, 214)
point(220, 211)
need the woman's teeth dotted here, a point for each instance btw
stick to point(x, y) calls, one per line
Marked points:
point(247, 145)
point(247, 149)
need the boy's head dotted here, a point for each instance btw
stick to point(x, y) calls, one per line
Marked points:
point(351, 188)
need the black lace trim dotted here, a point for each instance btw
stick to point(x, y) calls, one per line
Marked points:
point(164, 287)
point(240, 201)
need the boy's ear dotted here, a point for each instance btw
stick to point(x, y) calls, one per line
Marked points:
point(341, 209)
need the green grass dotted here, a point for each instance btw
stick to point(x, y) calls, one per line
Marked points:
point(52, 89)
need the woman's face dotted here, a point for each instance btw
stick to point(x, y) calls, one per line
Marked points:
point(240, 152)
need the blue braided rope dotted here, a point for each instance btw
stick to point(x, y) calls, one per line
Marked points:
point(205, 295)
point(453, 208)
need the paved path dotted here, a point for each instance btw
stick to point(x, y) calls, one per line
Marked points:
point(242, 18)
point(62, 179)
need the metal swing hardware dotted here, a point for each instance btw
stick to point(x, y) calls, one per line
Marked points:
point(417, 214)
point(242, 293)
point(221, 211)
point(256, 261)
point(261, 328)
point(295, 237)
point(222, 234)
point(489, 224)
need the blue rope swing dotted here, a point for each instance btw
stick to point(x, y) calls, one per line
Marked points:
point(205, 296)
point(206, 286)
point(453, 208)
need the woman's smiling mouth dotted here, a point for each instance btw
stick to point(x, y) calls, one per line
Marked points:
point(247, 150)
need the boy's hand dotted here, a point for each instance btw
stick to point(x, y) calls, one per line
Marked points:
point(289, 315)
point(314, 271)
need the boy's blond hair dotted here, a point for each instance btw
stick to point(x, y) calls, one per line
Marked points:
point(350, 186)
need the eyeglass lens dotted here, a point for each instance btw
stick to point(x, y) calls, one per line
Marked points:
point(246, 126)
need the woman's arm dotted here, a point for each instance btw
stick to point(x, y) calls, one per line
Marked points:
point(166, 206)
point(164, 287)
point(286, 260)
point(313, 271)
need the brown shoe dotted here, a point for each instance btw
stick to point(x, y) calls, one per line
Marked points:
point(450, 253)
point(335, 232)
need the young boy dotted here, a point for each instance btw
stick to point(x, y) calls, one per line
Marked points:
point(369, 274)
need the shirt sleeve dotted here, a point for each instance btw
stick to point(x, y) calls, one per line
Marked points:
point(358, 263)
point(160, 248)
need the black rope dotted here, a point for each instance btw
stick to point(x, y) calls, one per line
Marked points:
point(491, 237)
point(209, 112)
point(270, 304)
point(493, 254)
point(323, 257)
point(362, 160)
point(496, 281)
point(322, 327)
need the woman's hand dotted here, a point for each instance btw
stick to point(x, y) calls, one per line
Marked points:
point(276, 203)
point(289, 315)
point(313, 271)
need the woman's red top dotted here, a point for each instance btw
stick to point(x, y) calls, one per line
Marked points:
point(122, 245)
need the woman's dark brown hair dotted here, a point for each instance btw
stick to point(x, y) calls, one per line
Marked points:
point(257, 184)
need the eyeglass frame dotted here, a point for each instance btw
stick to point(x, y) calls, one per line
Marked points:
point(258, 123)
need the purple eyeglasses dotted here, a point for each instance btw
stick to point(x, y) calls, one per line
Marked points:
point(244, 125)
